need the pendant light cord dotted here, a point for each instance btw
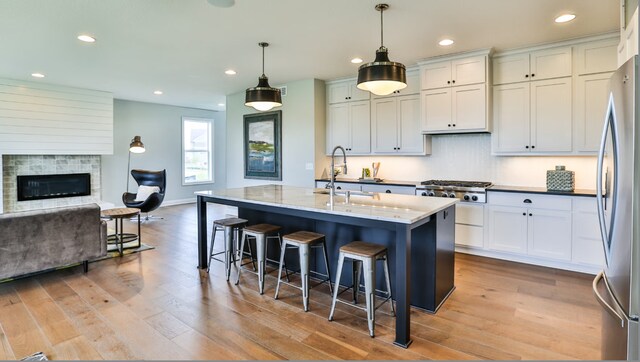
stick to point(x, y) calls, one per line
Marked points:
point(263, 60)
point(381, 29)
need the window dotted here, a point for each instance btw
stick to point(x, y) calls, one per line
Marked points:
point(197, 152)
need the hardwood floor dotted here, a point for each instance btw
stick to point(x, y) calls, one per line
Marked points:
point(155, 305)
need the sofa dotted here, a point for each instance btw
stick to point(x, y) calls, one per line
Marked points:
point(40, 240)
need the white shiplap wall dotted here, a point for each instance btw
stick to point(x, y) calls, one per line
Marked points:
point(45, 119)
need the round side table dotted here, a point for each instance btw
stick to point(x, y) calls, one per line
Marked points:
point(119, 214)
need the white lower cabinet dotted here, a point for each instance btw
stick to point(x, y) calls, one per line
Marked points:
point(549, 234)
point(531, 224)
point(547, 230)
point(508, 228)
point(470, 225)
point(389, 189)
point(587, 246)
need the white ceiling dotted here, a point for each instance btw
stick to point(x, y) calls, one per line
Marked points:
point(183, 47)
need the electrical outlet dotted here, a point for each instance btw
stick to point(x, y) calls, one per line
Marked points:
point(309, 166)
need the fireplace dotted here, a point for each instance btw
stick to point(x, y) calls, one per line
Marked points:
point(38, 187)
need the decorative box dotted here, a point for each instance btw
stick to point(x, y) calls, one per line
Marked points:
point(560, 179)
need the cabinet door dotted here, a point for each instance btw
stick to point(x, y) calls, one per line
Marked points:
point(469, 107)
point(356, 94)
point(468, 71)
point(338, 92)
point(597, 57)
point(360, 132)
point(587, 244)
point(549, 234)
point(436, 110)
point(511, 68)
point(436, 75)
point(339, 126)
point(389, 189)
point(551, 63)
point(591, 100)
point(551, 121)
point(508, 229)
point(384, 125)
point(411, 139)
point(413, 83)
point(511, 118)
point(347, 186)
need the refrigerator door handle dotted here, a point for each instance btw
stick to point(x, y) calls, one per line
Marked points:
point(599, 174)
point(613, 312)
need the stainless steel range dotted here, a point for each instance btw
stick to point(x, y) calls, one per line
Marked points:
point(466, 191)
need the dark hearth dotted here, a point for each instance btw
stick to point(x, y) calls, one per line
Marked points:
point(38, 187)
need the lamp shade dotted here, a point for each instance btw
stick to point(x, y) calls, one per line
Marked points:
point(136, 145)
point(263, 97)
point(382, 76)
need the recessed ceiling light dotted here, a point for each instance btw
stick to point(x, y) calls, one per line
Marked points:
point(220, 104)
point(446, 42)
point(86, 38)
point(37, 75)
point(230, 72)
point(564, 18)
point(356, 60)
point(158, 92)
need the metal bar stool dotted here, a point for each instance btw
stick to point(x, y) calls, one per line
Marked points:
point(262, 233)
point(364, 255)
point(231, 227)
point(304, 241)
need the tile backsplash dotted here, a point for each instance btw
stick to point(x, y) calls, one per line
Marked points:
point(18, 165)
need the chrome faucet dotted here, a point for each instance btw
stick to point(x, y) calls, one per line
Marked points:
point(332, 182)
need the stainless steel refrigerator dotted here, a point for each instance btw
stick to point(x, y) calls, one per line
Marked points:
point(618, 185)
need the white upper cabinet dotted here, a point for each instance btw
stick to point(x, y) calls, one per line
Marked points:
point(395, 123)
point(590, 107)
point(532, 117)
point(454, 72)
point(345, 91)
point(349, 126)
point(454, 94)
point(596, 57)
point(551, 100)
point(537, 65)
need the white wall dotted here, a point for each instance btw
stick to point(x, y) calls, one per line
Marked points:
point(468, 157)
point(300, 118)
point(160, 127)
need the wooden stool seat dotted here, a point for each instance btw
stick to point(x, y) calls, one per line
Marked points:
point(262, 229)
point(363, 249)
point(303, 237)
point(231, 221)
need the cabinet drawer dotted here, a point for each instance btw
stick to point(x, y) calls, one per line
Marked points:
point(347, 186)
point(390, 189)
point(470, 214)
point(561, 203)
point(469, 235)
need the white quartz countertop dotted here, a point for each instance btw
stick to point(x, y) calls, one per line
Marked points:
point(404, 209)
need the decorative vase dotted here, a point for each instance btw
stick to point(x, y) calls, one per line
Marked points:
point(560, 179)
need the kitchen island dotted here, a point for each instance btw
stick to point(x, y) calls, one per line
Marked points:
point(418, 232)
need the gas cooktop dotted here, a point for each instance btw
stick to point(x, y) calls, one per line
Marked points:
point(474, 184)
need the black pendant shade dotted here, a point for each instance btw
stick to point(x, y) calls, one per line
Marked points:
point(382, 76)
point(263, 97)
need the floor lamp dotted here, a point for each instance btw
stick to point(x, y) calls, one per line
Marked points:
point(135, 146)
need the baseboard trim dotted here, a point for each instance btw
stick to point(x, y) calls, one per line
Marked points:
point(178, 202)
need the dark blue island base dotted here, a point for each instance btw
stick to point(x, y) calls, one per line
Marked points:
point(421, 255)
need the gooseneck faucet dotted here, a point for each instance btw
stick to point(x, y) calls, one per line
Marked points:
point(332, 191)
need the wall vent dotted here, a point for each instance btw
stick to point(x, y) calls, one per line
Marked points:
point(283, 91)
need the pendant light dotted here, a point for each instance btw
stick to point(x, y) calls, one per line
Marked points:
point(382, 76)
point(263, 97)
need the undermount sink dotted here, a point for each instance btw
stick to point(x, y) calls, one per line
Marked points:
point(345, 193)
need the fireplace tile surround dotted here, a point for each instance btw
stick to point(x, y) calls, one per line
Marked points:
point(15, 165)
